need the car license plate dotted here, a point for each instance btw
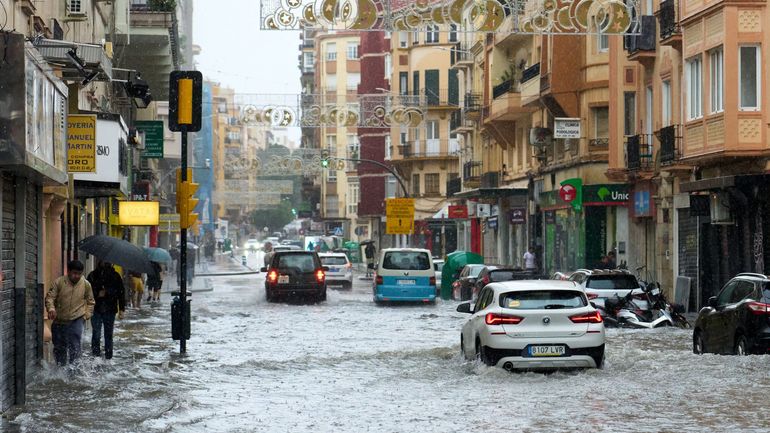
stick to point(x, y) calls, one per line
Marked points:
point(406, 282)
point(283, 279)
point(546, 351)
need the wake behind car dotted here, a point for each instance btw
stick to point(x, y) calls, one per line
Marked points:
point(737, 320)
point(340, 269)
point(533, 325)
point(295, 273)
point(405, 275)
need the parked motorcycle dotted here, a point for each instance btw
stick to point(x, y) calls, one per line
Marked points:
point(657, 300)
point(624, 312)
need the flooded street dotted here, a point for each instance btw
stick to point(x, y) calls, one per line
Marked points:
point(348, 365)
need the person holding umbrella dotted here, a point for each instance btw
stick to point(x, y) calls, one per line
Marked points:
point(154, 282)
point(110, 297)
point(69, 303)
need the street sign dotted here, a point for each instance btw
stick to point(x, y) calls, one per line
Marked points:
point(399, 216)
point(168, 223)
point(566, 127)
point(153, 137)
point(185, 98)
point(338, 231)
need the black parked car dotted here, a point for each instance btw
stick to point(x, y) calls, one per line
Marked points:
point(495, 274)
point(737, 320)
point(462, 288)
point(295, 273)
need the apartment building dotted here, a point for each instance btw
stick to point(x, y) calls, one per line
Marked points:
point(338, 74)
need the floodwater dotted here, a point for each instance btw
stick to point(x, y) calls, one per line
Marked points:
point(348, 365)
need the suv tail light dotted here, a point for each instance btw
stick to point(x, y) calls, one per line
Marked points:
point(758, 308)
point(433, 281)
point(485, 280)
point(320, 276)
point(378, 280)
point(594, 317)
point(502, 319)
point(272, 276)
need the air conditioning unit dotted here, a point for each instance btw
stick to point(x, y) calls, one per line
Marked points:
point(720, 208)
point(76, 9)
point(540, 137)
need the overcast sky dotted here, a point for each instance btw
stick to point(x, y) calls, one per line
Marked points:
point(237, 54)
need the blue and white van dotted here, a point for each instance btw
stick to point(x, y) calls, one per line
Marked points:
point(405, 275)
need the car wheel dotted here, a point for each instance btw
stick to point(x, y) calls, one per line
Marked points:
point(741, 346)
point(269, 295)
point(347, 285)
point(698, 347)
point(322, 295)
point(481, 354)
point(599, 360)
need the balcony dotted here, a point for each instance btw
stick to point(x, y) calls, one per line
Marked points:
point(472, 174)
point(503, 88)
point(441, 98)
point(530, 85)
point(598, 145)
point(641, 47)
point(490, 179)
point(460, 56)
point(472, 106)
point(454, 186)
point(153, 50)
point(507, 104)
point(668, 18)
point(670, 139)
point(639, 152)
point(440, 148)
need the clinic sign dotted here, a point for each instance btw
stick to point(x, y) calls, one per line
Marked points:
point(81, 143)
point(566, 127)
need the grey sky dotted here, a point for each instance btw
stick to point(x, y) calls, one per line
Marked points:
point(237, 54)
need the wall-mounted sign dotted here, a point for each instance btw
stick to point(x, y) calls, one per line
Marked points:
point(642, 207)
point(168, 223)
point(81, 143)
point(566, 127)
point(483, 210)
point(492, 223)
point(571, 192)
point(153, 137)
point(608, 194)
point(112, 163)
point(518, 215)
point(460, 211)
point(139, 213)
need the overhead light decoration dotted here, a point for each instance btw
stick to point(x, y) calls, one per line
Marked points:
point(484, 16)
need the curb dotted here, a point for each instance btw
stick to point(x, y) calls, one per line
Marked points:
point(225, 274)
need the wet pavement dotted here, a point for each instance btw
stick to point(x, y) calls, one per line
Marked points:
point(348, 365)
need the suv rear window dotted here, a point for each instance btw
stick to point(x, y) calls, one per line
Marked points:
point(474, 271)
point(334, 261)
point(503, 275)
point(297, 262)
point(406, 261)
point(543, 299)
point(612, 282)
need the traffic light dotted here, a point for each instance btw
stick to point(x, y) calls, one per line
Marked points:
point(325, 159)
point(185, 202)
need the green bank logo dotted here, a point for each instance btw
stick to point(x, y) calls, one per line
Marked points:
point(603, 193)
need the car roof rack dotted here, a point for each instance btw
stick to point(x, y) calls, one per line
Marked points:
point(752, 274)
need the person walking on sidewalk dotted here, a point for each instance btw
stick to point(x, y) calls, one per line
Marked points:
point(154, 282)
point(529, 260)
point(69, 302)
point(110, 297)
point(137, 289)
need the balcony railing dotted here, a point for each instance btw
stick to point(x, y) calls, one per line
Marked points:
point(431, 148)
point(472, 170)
point(472, 102)
point(503, 88)
point(459, 53)
point(598, 144)
point(645, 40)
point(530, 73)
point(455, 120)
point(669, 21)
point(490, 179)
point(453, 186)
point(639, 151)
point(441, 97)
point(669, 138)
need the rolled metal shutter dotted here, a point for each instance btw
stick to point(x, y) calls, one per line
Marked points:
point(33, 334)
point(7, 298)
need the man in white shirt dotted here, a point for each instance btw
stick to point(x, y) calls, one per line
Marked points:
point(529, 260)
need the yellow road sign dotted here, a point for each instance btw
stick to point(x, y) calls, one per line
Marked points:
point(399, 216)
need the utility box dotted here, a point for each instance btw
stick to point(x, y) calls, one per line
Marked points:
point(180, 326)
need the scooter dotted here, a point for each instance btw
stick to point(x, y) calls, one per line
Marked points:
point(624, 312)
point(658, 301)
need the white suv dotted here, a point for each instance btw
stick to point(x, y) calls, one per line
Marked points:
point(602, 284)
point(533, 325)
point(340, 270)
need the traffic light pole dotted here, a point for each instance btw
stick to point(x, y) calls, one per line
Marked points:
point(183, 253)
point(386, 167)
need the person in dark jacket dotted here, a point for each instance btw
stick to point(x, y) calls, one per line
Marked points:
point(109, 293)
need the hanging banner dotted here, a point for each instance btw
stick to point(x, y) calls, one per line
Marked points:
point(81, 143)
point(471, 16)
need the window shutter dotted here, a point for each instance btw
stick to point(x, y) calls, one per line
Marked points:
point(416, 83)
point(454, 88)
point(431, 86)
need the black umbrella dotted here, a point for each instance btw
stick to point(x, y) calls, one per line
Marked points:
point(117, 251)
point(367, 242)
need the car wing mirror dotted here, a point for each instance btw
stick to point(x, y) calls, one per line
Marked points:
point(465, 307)
point(263, 269)
point(593, 304)
point(713, 302)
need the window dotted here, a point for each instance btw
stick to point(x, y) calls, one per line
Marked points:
point(716, 72)
point(453, 33)
point(415, 83)
point(431, 34)
point(353, 195)
point(402, 39)
point(749, 73)
point(331, 147)
point(416, 185)
point(612, 282)
point(406, 261)
point(403, 83)
point(415, 37)
point(332, 206)
point(432, 181)
point(331, 51)
point(601, 122)
point(603, 42)
point(308, 62)
point(391, 186)
point(726, 294)
point(432, 131)
point(305, 263)
point(694, 83)
point(352, 51)
point(665, 97)
point(629, 113)
point(354, 79)
point(388, 66)
point(331, 83)
point(402, 136)
point(648, 101)
point(743, 290)
point(540, 299)
point(354, 150)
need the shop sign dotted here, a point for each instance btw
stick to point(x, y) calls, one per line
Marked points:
point(153, 137)
point(459, 212)
point(608, 194)
point(571, 192)
point(566, 127)
point(492, 223)
point(518, 215)
point(139, 213)
point(81, 143)
point(111, 153)
point(168, 222)
point(550, 217)
point(483, 210)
